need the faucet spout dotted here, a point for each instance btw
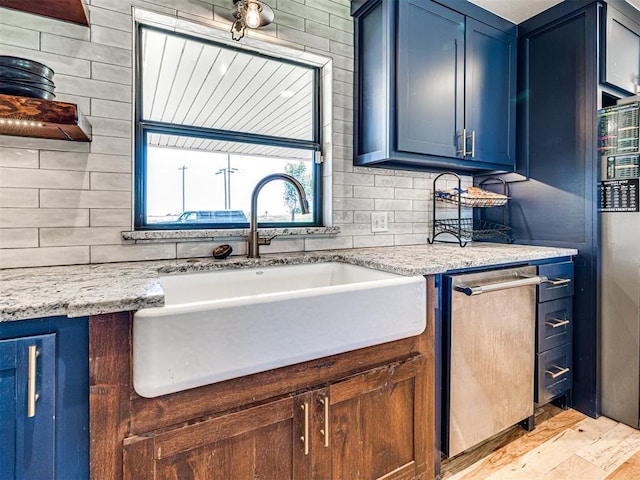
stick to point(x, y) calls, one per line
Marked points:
point(253, 241)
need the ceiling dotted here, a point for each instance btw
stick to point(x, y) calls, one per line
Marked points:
point(516, 11)
point(199, 84)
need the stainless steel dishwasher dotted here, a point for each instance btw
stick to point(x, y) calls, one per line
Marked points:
point(489, 352)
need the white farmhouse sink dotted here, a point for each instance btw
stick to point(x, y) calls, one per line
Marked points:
point(226, 324)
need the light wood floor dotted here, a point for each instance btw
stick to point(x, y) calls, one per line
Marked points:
point(565, 445)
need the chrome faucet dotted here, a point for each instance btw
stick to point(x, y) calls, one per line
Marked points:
point(254, 240)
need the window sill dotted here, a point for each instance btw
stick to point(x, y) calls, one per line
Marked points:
point(162, 236)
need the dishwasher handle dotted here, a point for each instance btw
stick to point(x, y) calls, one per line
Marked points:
point(493, 287)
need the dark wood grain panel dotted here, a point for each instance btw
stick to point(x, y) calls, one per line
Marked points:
point(208, 431)
point(252, 445)
point(138, 459)
point(35, 117)
point(72, 11)
point(153, 413)
point(109, 408)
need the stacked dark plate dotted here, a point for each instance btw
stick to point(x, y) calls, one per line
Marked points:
point(26, 78)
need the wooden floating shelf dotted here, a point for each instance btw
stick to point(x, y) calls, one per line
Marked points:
point(35, 117)
point(73, 11)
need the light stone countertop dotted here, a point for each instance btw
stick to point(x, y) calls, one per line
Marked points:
point(81, 290)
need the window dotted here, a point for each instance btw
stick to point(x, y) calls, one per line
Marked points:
point(211, 121)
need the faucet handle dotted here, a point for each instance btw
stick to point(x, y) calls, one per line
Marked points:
point(266, 240)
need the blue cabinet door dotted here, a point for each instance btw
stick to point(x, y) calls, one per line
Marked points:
point(430, 76)
point(622, 66)
point(28, 437)
point(490, 92)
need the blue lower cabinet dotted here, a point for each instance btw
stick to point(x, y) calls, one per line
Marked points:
point(27, 386)
point(44, 397)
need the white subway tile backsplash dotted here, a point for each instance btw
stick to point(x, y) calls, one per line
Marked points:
point(393, 181)
point(111, 145)
point(44, 217)
point(10, 35)
point(111, 181)
point(110, 127)
point(43, 257)
point(353, 203)
point(307, 12)
point(83, 199)
point(378, 240)
point(18, 237)
point(412, 193)
point(283, 244)
point(85, 162)
point(132, 253)
point(325, 31)
point(93, 88)
point(111, 217)
point(18, 197)
point(43, 143)
point(410, 239)
point(341, 23)
point(71, 47)
point(112, 19)
point(296, 36)
point(18, 157)
point(54, 237)
point(35, 178)
point(335, 7)
point(109, 36)
point(384, 204)
point(328, 243)
point(121, 6)
point(353, 179)
point(60, 64)
point(111, 109)
point(111, 73)
point(372, 192)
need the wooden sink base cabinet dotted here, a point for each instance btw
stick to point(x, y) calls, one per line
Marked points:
point(367, 414)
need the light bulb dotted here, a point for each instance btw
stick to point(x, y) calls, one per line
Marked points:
point(252, 15)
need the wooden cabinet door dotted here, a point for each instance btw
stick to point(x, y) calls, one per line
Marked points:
point(378, 424)
point(256, 443)
point(28, 444)
point(622, 66)
point(490, 91)
point(430, 78)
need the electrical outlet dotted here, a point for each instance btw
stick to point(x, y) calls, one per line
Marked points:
point(379, 222)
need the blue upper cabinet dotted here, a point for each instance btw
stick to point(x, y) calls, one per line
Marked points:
point(435, 86)
point(490, 89)
point(27, 394)
point(622, 49)
point(430, 109)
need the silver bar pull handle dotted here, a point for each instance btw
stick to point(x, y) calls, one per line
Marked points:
point(493, 287)
point(463, 150)
point(560, 371)
point(32, 396)
point(557, 322)
point(473, 143)
point(556, 282)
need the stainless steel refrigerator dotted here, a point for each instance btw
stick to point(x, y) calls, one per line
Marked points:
point(620, 255)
